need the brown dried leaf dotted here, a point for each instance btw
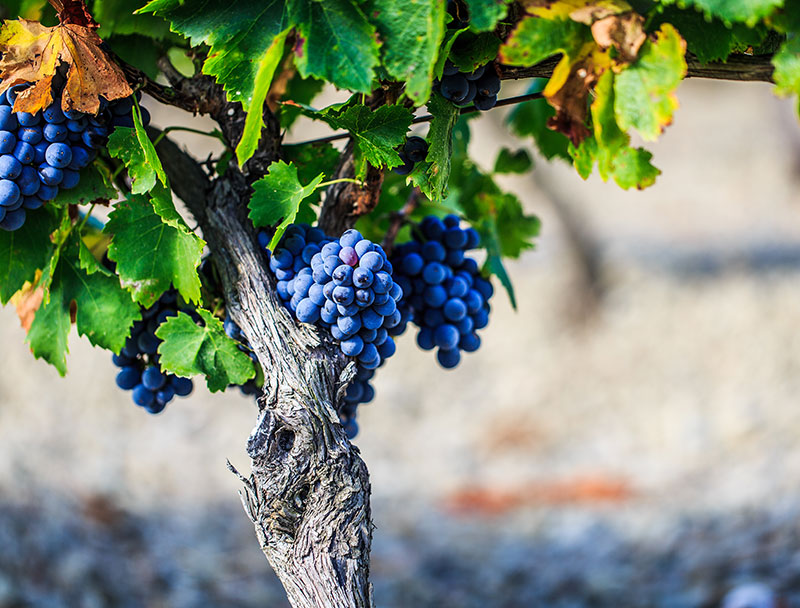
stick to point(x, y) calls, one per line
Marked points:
point(624, 32)
point(27, 302)
point(32, 53)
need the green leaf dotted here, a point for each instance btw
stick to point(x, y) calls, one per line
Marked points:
point(150, 254)
point(311, 160)
point(749, 11)
point(140, 158)
point(484, 14)
point(24, 251)
point(254, 104)
point(529, 119)
point(104, 311)
point(432, 175)
point(95, 186)
point(645, 91)
point(412, 32)
point(376, 133)
point(189, 349)
point(610, 146)
point(473, 50)
point(450, 37)
point(336, 43)
point(117, 17)
point(246, 40)
point(708, 39)
point(277, 197)
point(509, 161)
point(535, 39)
point(787, 67)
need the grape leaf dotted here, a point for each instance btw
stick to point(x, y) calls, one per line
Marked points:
point(140, 158)
point(645, 91)
point(95, 186)
point(412, 32)
point(509, 161)
point(336, 43)
point(535, 39)
point(787, 67)
point(150, 254)
point(189, 349)
point(311, 160)
point(246, 41)
point(610, 146)
point(484, 14)
point(117, 17)
point(433, 174)
point(529, 119)
point(104, 312)
point(749, 11)
point(375, 132)
point(469, 51)
point(24, 251)
point(450, 37)
point(32, 52)
point(277, 197)
point(708, 40)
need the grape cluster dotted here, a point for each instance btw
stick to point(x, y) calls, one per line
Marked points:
point(414, 150)
point(140, 371)
point(462, 88)
point(446, 297)
point(346, 286)
point(45, 151)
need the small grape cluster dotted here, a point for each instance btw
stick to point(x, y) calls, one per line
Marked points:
point(346, 286)
point(45, 151)
point(140, 371)
point(414, 150)
point(462, 88)
point(447, 298)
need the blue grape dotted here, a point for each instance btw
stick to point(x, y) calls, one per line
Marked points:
point(128, 377)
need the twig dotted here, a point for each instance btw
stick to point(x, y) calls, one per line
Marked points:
point(398, 218)
point(428, 117)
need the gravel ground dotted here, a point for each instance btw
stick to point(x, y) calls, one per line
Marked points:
point(637, 450)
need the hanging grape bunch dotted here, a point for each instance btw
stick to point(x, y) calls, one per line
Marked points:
point(446, 296)
point(480, 86)
point(344, 285)
point(45, 151)
point(140, 371)
point(413, 151)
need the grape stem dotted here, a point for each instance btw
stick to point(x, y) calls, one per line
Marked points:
point(428, 117)
point(341, 180)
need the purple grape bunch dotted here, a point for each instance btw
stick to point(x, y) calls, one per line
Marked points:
point(43, 152)
point(140, 372)
point(344, 285)
point(446, 296)
point(480, 86)
point(413, 151)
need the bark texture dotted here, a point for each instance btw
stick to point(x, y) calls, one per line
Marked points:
point(308, 492)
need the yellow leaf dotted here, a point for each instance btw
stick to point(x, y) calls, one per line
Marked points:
point(32, 53)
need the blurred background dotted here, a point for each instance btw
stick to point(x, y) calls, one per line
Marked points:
point(630, 436)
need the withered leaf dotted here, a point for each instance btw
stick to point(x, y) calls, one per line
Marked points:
point(624, 32)
point(32, 53)
point(27, 302)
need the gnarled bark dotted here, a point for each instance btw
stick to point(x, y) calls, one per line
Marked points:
point(308, 493)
